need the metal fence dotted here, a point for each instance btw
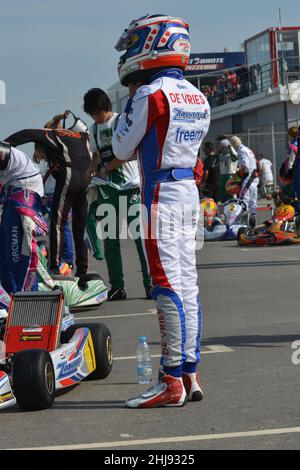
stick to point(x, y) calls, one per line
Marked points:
point(271, 141)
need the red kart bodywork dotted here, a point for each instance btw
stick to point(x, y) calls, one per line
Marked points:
point(280, 230)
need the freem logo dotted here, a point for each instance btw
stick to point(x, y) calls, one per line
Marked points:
point(185, 135)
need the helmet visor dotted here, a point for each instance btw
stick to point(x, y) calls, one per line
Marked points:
point(132, 41)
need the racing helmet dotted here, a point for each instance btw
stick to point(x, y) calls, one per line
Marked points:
point(78, 125)
point(152, 42)
point(210, 210)
point(234, 185)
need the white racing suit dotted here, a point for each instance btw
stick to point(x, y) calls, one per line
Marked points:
point(21, 221)
point(247, 163)
point(166, 122)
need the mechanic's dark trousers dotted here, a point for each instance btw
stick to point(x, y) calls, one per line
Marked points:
point(112, 249)
point(68, 251)
point(69, 193)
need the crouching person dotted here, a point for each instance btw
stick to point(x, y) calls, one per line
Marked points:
point(21, 219)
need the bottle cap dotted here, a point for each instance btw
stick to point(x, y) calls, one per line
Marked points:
point(142, 339)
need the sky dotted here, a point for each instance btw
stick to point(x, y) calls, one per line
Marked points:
point(53, 51)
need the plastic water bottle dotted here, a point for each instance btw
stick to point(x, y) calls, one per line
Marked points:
point(144, 362)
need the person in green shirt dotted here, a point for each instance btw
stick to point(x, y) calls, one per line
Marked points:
point(112, 181)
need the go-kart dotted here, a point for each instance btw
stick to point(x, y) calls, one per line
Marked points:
point(44, 350)
point(280, 230)
point(87, 291)
point(227, 226)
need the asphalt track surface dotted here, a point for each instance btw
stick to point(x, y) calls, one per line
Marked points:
point(251, 317)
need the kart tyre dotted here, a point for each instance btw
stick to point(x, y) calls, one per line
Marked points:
point(33, 379)
point(102, 346)
point(241, 231)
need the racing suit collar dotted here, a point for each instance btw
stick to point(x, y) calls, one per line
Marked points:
point(171, 73)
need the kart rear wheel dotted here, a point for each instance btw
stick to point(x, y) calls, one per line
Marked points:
point(102, 346)
point(33, 379)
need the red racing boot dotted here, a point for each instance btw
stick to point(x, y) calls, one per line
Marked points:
point(192, 386)
point(168, 392)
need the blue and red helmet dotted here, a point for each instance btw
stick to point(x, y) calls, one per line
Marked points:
point(152, 42)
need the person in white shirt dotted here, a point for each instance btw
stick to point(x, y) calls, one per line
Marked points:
point(248, 170)
point(267, 179)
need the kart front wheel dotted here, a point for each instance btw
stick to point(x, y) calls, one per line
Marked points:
point(33, 379)
point(102, 342)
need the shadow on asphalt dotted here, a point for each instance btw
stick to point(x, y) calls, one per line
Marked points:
point(100, 383)
point(256, 341)
point(88, 405)
point(253, 264)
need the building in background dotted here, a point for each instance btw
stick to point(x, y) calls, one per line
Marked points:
point(278, 50)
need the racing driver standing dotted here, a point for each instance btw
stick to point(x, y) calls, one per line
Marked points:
point(166, 120)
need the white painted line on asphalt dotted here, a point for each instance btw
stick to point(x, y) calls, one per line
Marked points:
point(215, 349)
point(269, 248)
point(151, 311)
point(166, 440)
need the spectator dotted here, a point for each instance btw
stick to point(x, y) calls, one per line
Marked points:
point(221, 84)
point(211, 173)
point(243, 80)
point(234, 84)
point(266, 176)
point(253, 76)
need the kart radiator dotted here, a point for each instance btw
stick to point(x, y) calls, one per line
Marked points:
point(34, 320)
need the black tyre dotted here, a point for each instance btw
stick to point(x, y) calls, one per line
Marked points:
point(102, 346)
point(33, 379)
